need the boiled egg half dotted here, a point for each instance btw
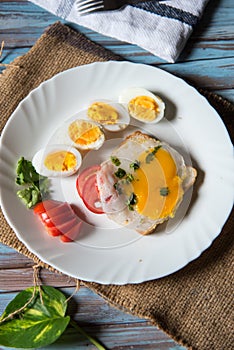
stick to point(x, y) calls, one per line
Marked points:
point(111, 115)
point(80, 133)
point(142, 104)
point(57, 161)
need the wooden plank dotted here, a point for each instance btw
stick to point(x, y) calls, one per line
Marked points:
point(206, 61)
point(112, 327)
point(21, 278)
point(28, 20)
point(210, 41)
point(213, 77)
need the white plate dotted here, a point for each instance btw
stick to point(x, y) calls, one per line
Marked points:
point(105, 253)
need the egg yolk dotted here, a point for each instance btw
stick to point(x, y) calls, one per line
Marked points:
point(84, 133)
point(103, 113)
point(156, 185)
point(144, 108)
point(60, 161)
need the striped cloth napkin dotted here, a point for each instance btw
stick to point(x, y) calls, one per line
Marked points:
point(160, 27)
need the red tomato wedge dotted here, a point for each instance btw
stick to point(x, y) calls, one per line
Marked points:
point(59, 219)
point(87, 188)
point(72, 234)
point(62, 208)
point(45, 205)
point(64, 228)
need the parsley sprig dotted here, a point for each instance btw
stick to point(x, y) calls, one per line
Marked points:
point(36, 186)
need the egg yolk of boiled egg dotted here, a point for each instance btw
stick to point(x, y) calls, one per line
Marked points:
point(84, 133)
point(103, 113)
point(144, 108)
point(60, 161)
point(156, 184)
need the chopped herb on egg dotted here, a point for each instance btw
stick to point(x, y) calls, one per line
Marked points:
point(135, 165)
point(120, 173)
point(164, 191)
point(115, 161)
point(151, 155)
point(118, 188)
point(129, 178)
point(132, 200)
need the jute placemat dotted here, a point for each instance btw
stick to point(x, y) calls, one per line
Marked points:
point(194, 306)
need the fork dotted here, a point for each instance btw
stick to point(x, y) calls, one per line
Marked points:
point(88, 6)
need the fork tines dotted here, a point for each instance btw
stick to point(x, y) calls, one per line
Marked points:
point(88, 6)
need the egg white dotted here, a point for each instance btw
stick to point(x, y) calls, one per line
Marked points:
point(61, 136)
point(114, 201)
point(123, 120)
point(40, 156)
point(129, 93)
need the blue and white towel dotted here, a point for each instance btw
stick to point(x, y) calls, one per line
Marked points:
point(160, 27)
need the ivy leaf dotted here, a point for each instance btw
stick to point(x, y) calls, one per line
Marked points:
point(39, 324)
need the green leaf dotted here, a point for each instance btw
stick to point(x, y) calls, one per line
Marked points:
point(39, 324)
point(36, 187)
point(29, 196)
point(26, 172)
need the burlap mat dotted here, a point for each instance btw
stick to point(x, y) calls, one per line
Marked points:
point(194, 305)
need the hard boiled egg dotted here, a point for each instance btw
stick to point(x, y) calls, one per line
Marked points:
point(80, 133)
point(142, 104)
point(57, 160)
point(111, 115)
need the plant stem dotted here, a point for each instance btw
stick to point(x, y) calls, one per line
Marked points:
point(92, 340)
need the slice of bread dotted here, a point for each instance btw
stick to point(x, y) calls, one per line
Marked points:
point(128, 152)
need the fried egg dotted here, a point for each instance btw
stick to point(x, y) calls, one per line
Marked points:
point(111, 115)
point(142, 104)
point(57, 161)
point(80, 133)
point(143, 182)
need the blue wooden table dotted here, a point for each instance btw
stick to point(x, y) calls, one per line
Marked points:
point(206, 62)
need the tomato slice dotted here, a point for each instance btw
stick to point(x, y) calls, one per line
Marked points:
point(87, 188)
point(56, 220)
point(63, 208)
point(90, 195)
point(72, 234)
point(59, 219)
point(64, 228)
point(45, 205)
point(84, 176)
point(53, 231)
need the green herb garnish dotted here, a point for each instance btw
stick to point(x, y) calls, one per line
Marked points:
point(35, 185)
point(132, 200)
point(135, 165)
point(129, 178)
point(115, 161)
point(118, 188)
point(151, 155)
point(164, 191)
point(120, 173)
